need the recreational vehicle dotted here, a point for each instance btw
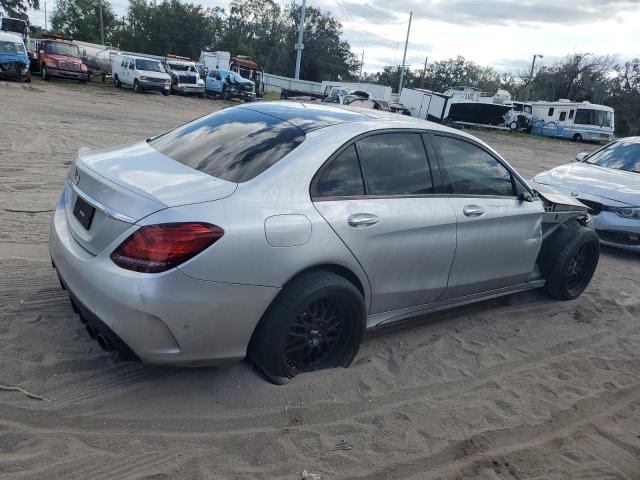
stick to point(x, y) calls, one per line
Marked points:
point(572, 120)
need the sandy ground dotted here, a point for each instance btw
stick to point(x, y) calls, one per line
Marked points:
point(523, 389)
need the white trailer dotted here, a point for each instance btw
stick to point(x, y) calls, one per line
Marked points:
point(215, 60)
point(577, 121)
point(424, 104)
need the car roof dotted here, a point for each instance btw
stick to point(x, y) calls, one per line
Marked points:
point(310, 116)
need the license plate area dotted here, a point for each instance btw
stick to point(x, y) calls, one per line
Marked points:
point(84, 212)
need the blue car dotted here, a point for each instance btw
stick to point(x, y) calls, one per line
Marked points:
point(227, 85)
point(14, 61)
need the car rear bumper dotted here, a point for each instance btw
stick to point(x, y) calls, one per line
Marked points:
point(166, 318)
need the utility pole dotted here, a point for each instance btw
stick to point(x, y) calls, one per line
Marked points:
point(404, 57)
point(424, 72)
point(101, 23)
point(45, 16)
point(361, 64)
point(300, 45)
point(533, 64)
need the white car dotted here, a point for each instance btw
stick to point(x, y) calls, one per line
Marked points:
point(607, 181)
point(140, 73)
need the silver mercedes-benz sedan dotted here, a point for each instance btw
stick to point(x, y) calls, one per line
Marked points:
point(608, 181)
point(283, 230)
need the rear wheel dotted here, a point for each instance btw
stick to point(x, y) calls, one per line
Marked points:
point(570, 260)
point(316, 322)
point(577, 138)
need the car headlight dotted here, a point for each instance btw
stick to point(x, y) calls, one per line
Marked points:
point(626, 212)
point(51, 63)
point(83, 67)
point(167, 81)
point(142, 77)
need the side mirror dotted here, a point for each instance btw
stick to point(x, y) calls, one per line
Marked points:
point(525, 197)
point(581, 156)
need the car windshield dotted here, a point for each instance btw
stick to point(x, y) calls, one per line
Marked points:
point(60, 48)
point(588, 116)
point(234, 144)
point(11, 48)
point(618, 155)
point(181, 67)
point(149, 65)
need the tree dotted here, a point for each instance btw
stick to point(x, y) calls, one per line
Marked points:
point(18, 8)
point(80, 19)
point(267, 33)
point(169, 26)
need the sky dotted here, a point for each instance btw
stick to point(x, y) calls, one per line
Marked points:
point(503, 34)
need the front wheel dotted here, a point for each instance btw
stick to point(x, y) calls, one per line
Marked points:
point(316, 322)
point(166, 92)
point(570, 260)
point(577, 138)
point(136, 86)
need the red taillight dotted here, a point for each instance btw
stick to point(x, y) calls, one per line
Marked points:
point(156, 248)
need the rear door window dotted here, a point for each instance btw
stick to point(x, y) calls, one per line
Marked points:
point(343, 177)
point(234, 144)
point(395, 164)
point(472, 170)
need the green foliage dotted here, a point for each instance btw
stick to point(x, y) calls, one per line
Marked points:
point(268, 33)
point(18, 8)
point(81, 19)
point(169, 26)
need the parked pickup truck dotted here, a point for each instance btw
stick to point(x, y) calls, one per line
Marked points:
point(227, 85)
point(14, 62)
point(60, 57)
point(185, 78)
point(141, 73)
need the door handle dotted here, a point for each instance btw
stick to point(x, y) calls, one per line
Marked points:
point(472, 210)
point(362, 220)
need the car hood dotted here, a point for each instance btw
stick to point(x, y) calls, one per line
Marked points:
point(14, 58)
point(141, 169)
point(148, 73)
point(617, 185)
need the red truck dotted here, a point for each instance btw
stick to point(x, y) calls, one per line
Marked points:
point(60, 57)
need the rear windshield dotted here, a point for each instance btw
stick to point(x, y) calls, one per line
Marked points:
point(234, 144)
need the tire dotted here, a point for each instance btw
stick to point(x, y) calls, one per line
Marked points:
point(43, 73)
point(116, 82)
point(577, 138)
point(136, 86)
point(513, 125)
point(570, 260)
point(316, 322)
point(166, 93)
point(27, 79)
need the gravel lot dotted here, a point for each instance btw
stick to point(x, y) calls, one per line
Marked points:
point(527, 388)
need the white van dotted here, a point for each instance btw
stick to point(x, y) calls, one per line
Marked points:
point(141, 73)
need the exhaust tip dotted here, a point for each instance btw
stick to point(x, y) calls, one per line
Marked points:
point(91, 331)
point(104, 343)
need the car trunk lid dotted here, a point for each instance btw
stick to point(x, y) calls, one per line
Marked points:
point(126, 184)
